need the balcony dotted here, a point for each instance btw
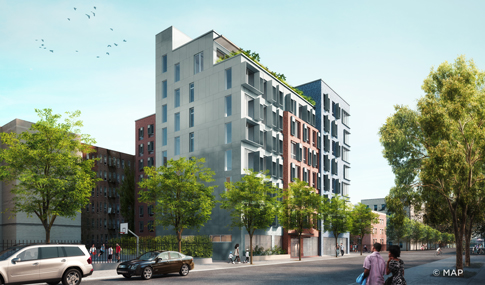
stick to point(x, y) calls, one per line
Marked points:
point(252, 133)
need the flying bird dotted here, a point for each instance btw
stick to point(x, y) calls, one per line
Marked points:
point(36, 39)
point(124, 41)
point(93, 13)
point(97, 56)
point(107, 53)
point(42, 40)
point(68, 19)
point(94, 7)
point(51, 50)
point(109, 45)
point(76, 51)
point(89, 17)
point(111, 28)
point(115, 44)
point(74, 8)
point(44, 48)
point(42, 44)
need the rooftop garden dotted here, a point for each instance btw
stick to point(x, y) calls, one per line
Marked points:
point(281, 77)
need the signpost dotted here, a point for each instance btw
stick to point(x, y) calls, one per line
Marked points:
point(124, 230)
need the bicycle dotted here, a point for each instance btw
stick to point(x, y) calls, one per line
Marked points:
point(436, 253)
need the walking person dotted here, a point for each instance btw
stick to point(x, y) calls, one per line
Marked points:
point(342, 249)
point(110, 254)
point(118, 252)
point(236, 254)
point(375, 266)
point(247, 256)
point(395, 266)
point(92, 252)
point(365, 248)
point(101, 250)
point(230, 258)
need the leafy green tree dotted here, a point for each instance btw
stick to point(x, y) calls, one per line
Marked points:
point(127, 197)
point(397, 228)
point(336, 216)
point(417, 232)
point(300, 209)
point(252, 202)
point(361, 220)
point(178, 192)
point(438, 148)
point(52, 178)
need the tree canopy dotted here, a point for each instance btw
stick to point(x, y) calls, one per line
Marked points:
point(336, 216)
point(361, 220)
point(53, 179)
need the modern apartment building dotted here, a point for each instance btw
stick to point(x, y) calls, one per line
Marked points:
point(378, 233)
point(145, 156)
point(21, 227)
point(101, 218)
point(332, 120)
point(230, 111)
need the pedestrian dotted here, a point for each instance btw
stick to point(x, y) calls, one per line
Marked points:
point(365, 248)
point(337, 249)
point(236, 254)
point(342, 249)
point(247, 256)
point(110, 254)
point(92, 251)
point(118, 252)
point(230, 258)
point(101, 250)
point(375, 266)
point(395, 266)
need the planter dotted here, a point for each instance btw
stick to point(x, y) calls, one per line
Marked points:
point(271, 257)
point(199, 260)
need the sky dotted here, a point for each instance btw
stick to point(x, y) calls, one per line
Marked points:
point(374, 54)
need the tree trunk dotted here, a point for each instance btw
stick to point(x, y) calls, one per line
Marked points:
point(458, 229)
point(251, 247)
point(361, 249)
point(468, 236)
point(299, 246)
point(336, 244)
point(179, 239)
point(47, 234)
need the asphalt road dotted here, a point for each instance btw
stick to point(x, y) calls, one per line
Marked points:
point(332, 271)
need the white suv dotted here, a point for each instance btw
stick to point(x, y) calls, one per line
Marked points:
point(49, 263)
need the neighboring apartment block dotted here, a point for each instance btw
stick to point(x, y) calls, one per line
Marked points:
point(378, 233)
point(101, 218)
point(332, 120)
point(20, 227)
point(231, 112)
point(145, 156)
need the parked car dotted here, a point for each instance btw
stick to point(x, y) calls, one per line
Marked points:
point(49, 263)
point(156, 262)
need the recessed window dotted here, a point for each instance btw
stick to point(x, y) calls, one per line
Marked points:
point(228, 105)
point(164, 63)
point(198, 62)
point(164, 113)
point(177, 145)
point(164, 157)
point(141, 226)
point(177, 72)
point(140, 133)
point(191, 142)
point(191, 117)
point(228, 78)
point(164, 89)
point(177, 98)
point(141, 212)
point(191, 92)
point(140, 165)
point(228, 160)
point(177, 122)
point(164, 136)
point(140, 150)
point(151, 132)
point(228, 133)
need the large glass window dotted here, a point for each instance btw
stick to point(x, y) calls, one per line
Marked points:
point(191, 142)
point(228, 78)
point(164, 89)
point(177, 72)
point(177, 145)
point(228, 160)
point(198, 62)
point(164, 113)
point(191, 92)
point(164, 63)
point(228, 105)
point(191, 117)
point(177, 98)
point(228, 133)
point(164, 157)
point(164, 136)
point(177, 122)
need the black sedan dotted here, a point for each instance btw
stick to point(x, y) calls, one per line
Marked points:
point(156, 262)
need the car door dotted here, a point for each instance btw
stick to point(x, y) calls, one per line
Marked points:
point(163, 263)
point(27, 269)
point(175, 261)
point(52, 262)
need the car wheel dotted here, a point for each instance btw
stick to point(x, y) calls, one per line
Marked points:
point(71, 277)
point(147, 273)
point(127, 276)
point(184, 270)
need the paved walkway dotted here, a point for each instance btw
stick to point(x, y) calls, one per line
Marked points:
point(422, 274)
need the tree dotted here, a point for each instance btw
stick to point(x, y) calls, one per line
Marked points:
point(438, 149)
point(179, 195)
point(397, 228)
point(361, 220)
point(300, 209)
point(417, 232)
point(52, 177)
point(336, 216)
point(252, 202)
point(127, 197)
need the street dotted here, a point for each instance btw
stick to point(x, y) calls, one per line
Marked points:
point(328, 271)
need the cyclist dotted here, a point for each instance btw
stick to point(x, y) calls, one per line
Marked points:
point(438, 251)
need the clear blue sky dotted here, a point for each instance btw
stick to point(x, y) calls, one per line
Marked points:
point(374, 54)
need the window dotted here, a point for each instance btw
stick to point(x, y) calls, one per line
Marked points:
point(164, 89)
point(191, 92)
point(150, 147)
point(164, 63)
point(177, 122)
point(228, 78)
point(228, 133)
point(177, 72)
point(177, 98)
point(164, 157)
point(164, 113)
point(140, 150)
point(294, 150)
point(375, 207)
point(140, 134)
point(150, 161)
point(191, 142)
point(345, 118)
point(29, 254)
point(141, 226)
point(140, 165)
point(177, 146)
point(228, 160)
point(164, 136)
point(345, 154)
point(150, 226)
point(141, 211)
point(198, 62)
point(191, 117)
point(346, 172)
point(228, 105)
point(346, 138)
point(221, 238)
point(150, 210)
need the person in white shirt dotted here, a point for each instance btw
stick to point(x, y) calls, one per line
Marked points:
point(247, 256)
point(110, 254)
point(92, 251)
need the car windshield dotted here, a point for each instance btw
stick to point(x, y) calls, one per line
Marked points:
point(148, 256)
point(4, 254)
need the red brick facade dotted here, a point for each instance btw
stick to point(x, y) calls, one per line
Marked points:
point(144, 156)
